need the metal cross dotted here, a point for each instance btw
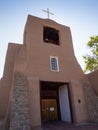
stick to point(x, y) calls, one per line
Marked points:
point(48, 12)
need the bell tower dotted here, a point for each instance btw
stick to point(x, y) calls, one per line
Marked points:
point(53, 73)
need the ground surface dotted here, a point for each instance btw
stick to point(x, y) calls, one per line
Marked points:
point(66, 126)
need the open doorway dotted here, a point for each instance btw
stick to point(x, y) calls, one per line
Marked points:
point(55, 103)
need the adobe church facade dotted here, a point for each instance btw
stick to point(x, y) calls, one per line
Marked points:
point(43, 81)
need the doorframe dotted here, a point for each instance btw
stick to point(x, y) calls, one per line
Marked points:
point(70, 103)
point(57, 99)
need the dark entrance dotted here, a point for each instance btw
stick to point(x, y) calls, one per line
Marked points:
point(55, 102)
point(50, 107)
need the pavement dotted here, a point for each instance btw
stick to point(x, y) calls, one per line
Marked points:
point(65, 126)
point(60, 125)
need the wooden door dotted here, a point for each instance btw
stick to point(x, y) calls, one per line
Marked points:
point(49, 110)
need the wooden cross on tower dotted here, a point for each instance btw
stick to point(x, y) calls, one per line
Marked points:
point(48, 12)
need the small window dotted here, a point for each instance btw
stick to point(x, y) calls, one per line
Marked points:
point(51, 35)
point(54, 63)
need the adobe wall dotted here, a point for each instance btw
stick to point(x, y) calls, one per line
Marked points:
point(38, 65)
point(34, 101)
point(20, 60)
point(79, 107)
point(93, 78)
point(39, 52)
point(6, 81)
point(77, 96)
point(91, 100)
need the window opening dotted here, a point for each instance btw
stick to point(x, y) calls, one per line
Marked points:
point(51, 35)
point(54, 63)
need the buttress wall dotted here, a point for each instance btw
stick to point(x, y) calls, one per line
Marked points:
point(93, 78)
point(6, 81)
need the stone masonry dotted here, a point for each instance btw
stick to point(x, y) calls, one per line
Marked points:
point(19, 119)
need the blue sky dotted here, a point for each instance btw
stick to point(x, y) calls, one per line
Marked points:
point(80, 15)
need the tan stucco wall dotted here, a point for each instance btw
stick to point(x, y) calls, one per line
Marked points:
point(93, 78)
point(39, 52)
point(34, 101)
point(78, 102)
point(20, 60)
